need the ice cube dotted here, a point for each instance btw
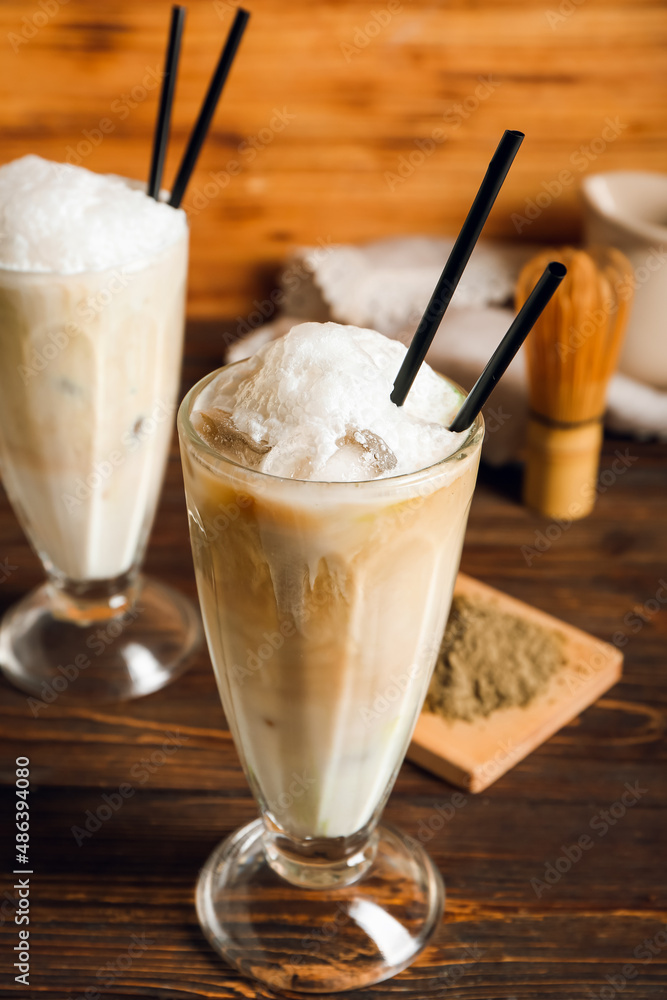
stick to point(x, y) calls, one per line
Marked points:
point(217, 428)
point(371, 452)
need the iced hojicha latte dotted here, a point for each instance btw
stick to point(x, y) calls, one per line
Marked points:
point(327, 527)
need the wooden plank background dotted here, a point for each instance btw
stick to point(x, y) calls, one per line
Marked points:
point(358, 84)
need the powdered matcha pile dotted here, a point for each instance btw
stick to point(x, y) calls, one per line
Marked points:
point(490, 659)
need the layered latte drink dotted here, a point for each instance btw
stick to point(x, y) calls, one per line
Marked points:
point(327, 526)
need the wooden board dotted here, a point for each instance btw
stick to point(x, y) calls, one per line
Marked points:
point(358, 114)
point(474, 754)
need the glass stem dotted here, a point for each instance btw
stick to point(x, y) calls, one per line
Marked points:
point(319, 862)
point(83, 602)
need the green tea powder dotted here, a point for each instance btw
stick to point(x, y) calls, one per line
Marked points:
point(490, 659)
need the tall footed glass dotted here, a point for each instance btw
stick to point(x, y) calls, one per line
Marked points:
point(88, 389)
point(324, 605)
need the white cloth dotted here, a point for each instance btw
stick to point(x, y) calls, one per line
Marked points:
point(386, 286)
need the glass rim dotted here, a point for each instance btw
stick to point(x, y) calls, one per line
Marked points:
point(136, 185)
point(189, 435)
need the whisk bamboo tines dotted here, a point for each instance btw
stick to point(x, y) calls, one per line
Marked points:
point(572, 353)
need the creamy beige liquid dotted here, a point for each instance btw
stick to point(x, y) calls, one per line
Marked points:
point(88, 385)
point(324, 605)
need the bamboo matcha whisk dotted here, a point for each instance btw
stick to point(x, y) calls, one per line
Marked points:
point(572, 353)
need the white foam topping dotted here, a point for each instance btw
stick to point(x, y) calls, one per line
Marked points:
point(58, 218)
point(315, 405)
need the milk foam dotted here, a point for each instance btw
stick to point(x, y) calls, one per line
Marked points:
point(58, 218)
point(319, 399)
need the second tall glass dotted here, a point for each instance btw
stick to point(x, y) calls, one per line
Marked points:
point(88, 389)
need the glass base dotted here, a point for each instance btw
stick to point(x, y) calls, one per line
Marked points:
point(313, 940)
point(53, 647)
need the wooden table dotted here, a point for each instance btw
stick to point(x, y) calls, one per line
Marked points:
point(504, 935)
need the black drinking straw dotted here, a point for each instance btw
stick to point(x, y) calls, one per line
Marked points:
point(528, 315)
point(208, 107)
point(458, 258)
point(161, 137)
